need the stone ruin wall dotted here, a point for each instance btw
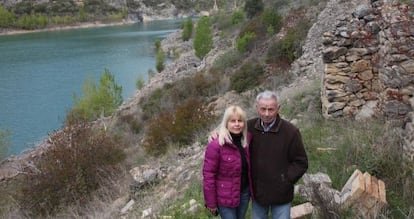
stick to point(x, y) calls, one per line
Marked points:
point(369, 66)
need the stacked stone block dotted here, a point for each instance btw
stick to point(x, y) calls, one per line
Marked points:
point(364, 193)
point(301, 211)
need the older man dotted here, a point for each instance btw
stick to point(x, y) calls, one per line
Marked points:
point(278, 159)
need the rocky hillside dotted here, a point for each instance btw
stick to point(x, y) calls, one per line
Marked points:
point(184, 166)
point(152, 186)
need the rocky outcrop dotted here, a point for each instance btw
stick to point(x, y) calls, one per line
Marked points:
point(168, 181)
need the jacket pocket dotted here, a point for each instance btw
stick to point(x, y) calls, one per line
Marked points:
point(273, 189)
point(224, 191)
point(229, 163)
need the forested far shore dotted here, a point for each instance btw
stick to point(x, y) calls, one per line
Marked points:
point(16, 20)
point(29, 16)
point(14, 31)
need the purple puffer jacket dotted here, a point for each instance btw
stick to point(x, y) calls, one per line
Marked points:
point(222, 174)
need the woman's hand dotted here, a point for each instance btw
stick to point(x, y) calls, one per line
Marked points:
point(213, 211)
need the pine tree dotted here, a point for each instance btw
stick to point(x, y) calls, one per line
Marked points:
point(203, 39)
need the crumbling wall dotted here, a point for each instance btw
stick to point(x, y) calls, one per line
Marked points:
point(369, 63)
point(369, 66)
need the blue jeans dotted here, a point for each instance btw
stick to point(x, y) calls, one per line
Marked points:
point(278, 211)
point(237, 212)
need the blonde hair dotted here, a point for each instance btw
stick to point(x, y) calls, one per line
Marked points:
point(224, 134)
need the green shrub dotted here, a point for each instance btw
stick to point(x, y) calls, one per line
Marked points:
point(247, 77)
point(83, 16)
point(78, 162)
point(98, 99)
point(178, 127)
point(133, 121)
point(244, 43)
point(157, 45)
point(31, 22)
point(156, 141)
point(160, 60)
point(187, 29)
point(203, 39)
point(200, 85)
point(151, 105)
point(170, 95)
point(116, 16)
point(228, 22)
point(256, 26)
point(237, 17)
point(227, 60)
point(222, 21)
point(6, 18)
point(273, 20)
point(139, 83)
point(63, 20)
point(290, 47)
point(276, 53)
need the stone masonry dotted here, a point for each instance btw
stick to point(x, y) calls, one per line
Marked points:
point(369, 66)
point(369, 63)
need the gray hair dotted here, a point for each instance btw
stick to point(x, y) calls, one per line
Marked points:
point(266, 95)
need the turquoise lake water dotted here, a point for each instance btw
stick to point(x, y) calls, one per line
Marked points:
point(40, 72)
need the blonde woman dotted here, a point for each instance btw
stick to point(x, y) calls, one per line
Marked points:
point(226, 167)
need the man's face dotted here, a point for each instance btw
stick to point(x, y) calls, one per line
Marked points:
point(267, 110)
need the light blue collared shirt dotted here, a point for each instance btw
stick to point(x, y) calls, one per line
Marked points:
point(266, 129)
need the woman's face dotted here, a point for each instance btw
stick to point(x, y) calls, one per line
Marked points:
point(235, 124)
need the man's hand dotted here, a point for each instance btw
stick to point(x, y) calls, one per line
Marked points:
point(213, 135)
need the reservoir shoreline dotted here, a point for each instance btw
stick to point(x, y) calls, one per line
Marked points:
point(132, 40)
point(4, 32)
